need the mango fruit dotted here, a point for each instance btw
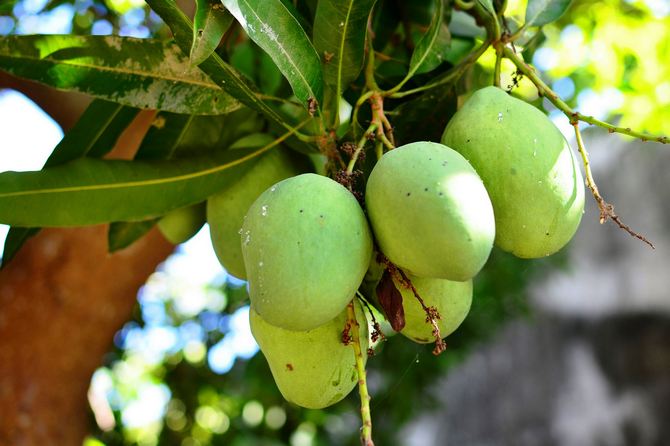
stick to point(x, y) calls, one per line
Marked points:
point(451, 299)
point(226, 209)
point(528, 168)
point(430, 212)
point(181, 224)
point(306, 246)
point(312, 368)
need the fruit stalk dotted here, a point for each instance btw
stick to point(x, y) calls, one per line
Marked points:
point(431, 314)
point(572, 115)
point(606, 209)
point(366, 430)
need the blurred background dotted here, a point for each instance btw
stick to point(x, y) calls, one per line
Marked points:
point(569, 350)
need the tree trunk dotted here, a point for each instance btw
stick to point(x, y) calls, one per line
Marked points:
point(62, 298)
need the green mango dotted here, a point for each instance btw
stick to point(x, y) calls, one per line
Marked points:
point(452, 300)
point(306, 246)
point(181, 224)
point(313, 368)
point(430, 212)
point(226, 209)
point(528, 168)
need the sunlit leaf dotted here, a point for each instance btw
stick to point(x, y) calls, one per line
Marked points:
point(541, 12)
point(339, 36)
point(227, 77)
point(91, 191)
point(94, 134)
point(209, 24)
point(136, 72)
point(270, 24)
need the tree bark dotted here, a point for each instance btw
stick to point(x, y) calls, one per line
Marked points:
point(62, 299)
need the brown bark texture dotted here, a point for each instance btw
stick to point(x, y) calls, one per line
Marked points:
point(62, 299)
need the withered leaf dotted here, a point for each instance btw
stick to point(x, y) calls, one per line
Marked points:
point(391, 301)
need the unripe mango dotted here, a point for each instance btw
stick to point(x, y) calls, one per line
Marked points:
point(531, 174)
point(430, 212)
point(306, 246)
point(451, 299)
point(313, 368)
point(181, 224)
point(226, 209)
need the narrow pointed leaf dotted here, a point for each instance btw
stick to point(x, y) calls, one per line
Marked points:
point(136, 72)
point(433, 46)
point(340, 28)
point(89, 191)
point(541, 12)
point(211, 21)
point(164, 136)
point(94, 134)
point(270, 24)
point(222, 73)
point(123, 234)
point(16, 237)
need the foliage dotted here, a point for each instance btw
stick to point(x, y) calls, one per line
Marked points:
point(332, 80)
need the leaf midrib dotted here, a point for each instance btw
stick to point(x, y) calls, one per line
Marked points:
point(142, 183)
point(340, 62)
point(138, 73)
point(432, 41)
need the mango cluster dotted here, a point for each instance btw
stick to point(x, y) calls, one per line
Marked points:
point(503, 174)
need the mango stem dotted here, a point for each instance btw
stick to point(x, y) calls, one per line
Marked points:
point(366, 430)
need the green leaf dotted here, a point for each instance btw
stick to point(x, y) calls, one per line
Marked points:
point(488, 6)
point(136, 72)
point(541, 12)
point(433, 46)
point(163, 137)
point(227, 77)
point(417, 119)
point(464, 25)
point(211, 21)
point(16, 237)
point(94, 134)
point(270, 24)
point(89, 191)
point(123, 234)
point(340, 28)
point(254, 140)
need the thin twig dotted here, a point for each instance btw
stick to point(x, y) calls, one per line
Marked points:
point(606, 209)
point(432, 315)
point(366, 430)
point(359, 147)
point(572, 115)
point(450, 76)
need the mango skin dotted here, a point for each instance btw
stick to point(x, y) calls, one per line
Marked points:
point(430, 212)
point(313, 368)
point(306, 246)
point(181, 224)
point(226, 209)
point(528, 168)
point(452, 300)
